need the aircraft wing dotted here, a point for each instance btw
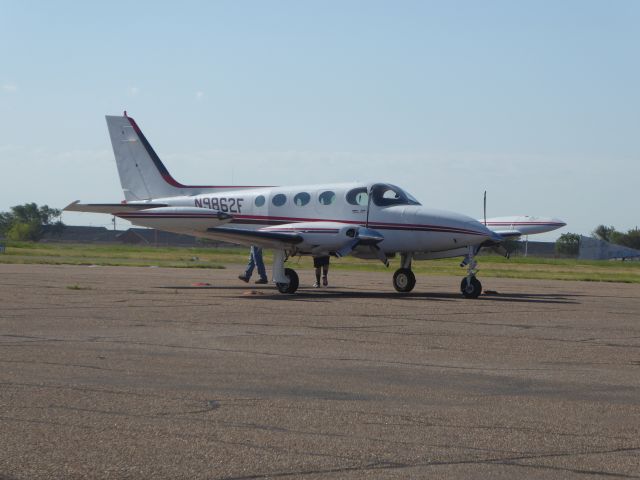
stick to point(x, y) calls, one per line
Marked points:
point(265, 239)
point(110, 208)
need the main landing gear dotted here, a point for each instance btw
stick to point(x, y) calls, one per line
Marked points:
point(292, 285)
point(470, 285)
point(403, 279)
point(286, 279)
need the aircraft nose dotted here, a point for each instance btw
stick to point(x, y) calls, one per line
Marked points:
point(478, 231)
point(461, 229)
point(561, 223)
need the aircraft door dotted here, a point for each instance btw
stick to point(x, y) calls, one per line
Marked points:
point(358, 203)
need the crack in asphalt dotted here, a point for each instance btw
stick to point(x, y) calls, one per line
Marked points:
point(512, 461)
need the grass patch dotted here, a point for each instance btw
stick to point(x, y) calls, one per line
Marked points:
point(114, 255)
point(215, 258)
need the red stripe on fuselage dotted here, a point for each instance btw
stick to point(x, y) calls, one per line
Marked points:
point(372, 224)
point(267, 220)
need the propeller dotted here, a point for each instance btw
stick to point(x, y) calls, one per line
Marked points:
point(485, 208)
point(495, 247)
point(364, 237)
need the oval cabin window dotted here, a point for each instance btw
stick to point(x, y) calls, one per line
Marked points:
point(327, 198)
point(301, 199)
point(279, 200)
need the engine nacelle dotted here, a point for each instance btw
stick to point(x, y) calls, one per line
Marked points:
point(323, 238)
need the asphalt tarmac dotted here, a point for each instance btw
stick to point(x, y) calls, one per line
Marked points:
point(114, 372)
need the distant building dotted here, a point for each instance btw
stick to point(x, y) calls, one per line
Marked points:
point(148, 236)
point(594, 249)
point(80, 234)
point(538, 249)
point(132, 236)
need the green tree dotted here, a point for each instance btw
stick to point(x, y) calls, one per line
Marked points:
point(26, 222)
point(30, 212)
point(602, 232)
point(630, 239)
point(6, 219)
point(568, 244)
point(24, 231)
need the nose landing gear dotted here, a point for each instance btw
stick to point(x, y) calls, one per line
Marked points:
point(470, 285)
point(404, 279)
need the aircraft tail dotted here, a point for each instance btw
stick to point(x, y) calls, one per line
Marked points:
point(143, 176)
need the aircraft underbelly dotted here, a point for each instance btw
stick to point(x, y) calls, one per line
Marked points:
point(415, 241)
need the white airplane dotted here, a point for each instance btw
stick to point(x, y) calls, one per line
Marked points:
point(522, 225)
point(366, 220)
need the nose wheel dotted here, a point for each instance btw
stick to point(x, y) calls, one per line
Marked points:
point(404, 280)
point(470, 285)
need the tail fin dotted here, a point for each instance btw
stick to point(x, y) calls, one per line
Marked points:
point(143, 176)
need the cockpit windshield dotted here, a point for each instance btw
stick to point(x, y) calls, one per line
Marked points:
point(385, 195)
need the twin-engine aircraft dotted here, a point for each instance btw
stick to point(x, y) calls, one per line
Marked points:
point(366, 220)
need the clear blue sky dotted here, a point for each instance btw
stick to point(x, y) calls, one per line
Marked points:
point(537, 102)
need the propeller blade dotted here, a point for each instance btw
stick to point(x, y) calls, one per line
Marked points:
point(348, 248)
point(380, 254)
point(500, 250)
point(485, 208)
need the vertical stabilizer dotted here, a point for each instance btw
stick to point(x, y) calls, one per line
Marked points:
point(143, 176)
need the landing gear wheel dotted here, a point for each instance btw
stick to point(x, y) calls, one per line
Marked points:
point(471, 289)
point(404, 280)
point(292, 286)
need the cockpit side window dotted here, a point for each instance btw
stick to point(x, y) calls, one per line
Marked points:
point(358, 196)
point(385, 195)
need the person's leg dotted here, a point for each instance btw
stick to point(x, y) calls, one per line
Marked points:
point(248, 271)
point(317, 284)
point(259, 262)
point(325, 271)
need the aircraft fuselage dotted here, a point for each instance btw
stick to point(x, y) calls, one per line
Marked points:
point(405, 227)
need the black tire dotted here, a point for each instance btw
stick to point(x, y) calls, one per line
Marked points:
point(292, 286)
point(404, 280)
point(472, 289)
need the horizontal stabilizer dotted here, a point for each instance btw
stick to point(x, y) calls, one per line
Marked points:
point(110, 208)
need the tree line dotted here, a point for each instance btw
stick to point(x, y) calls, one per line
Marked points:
point(29, 222)
point(569, 243)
